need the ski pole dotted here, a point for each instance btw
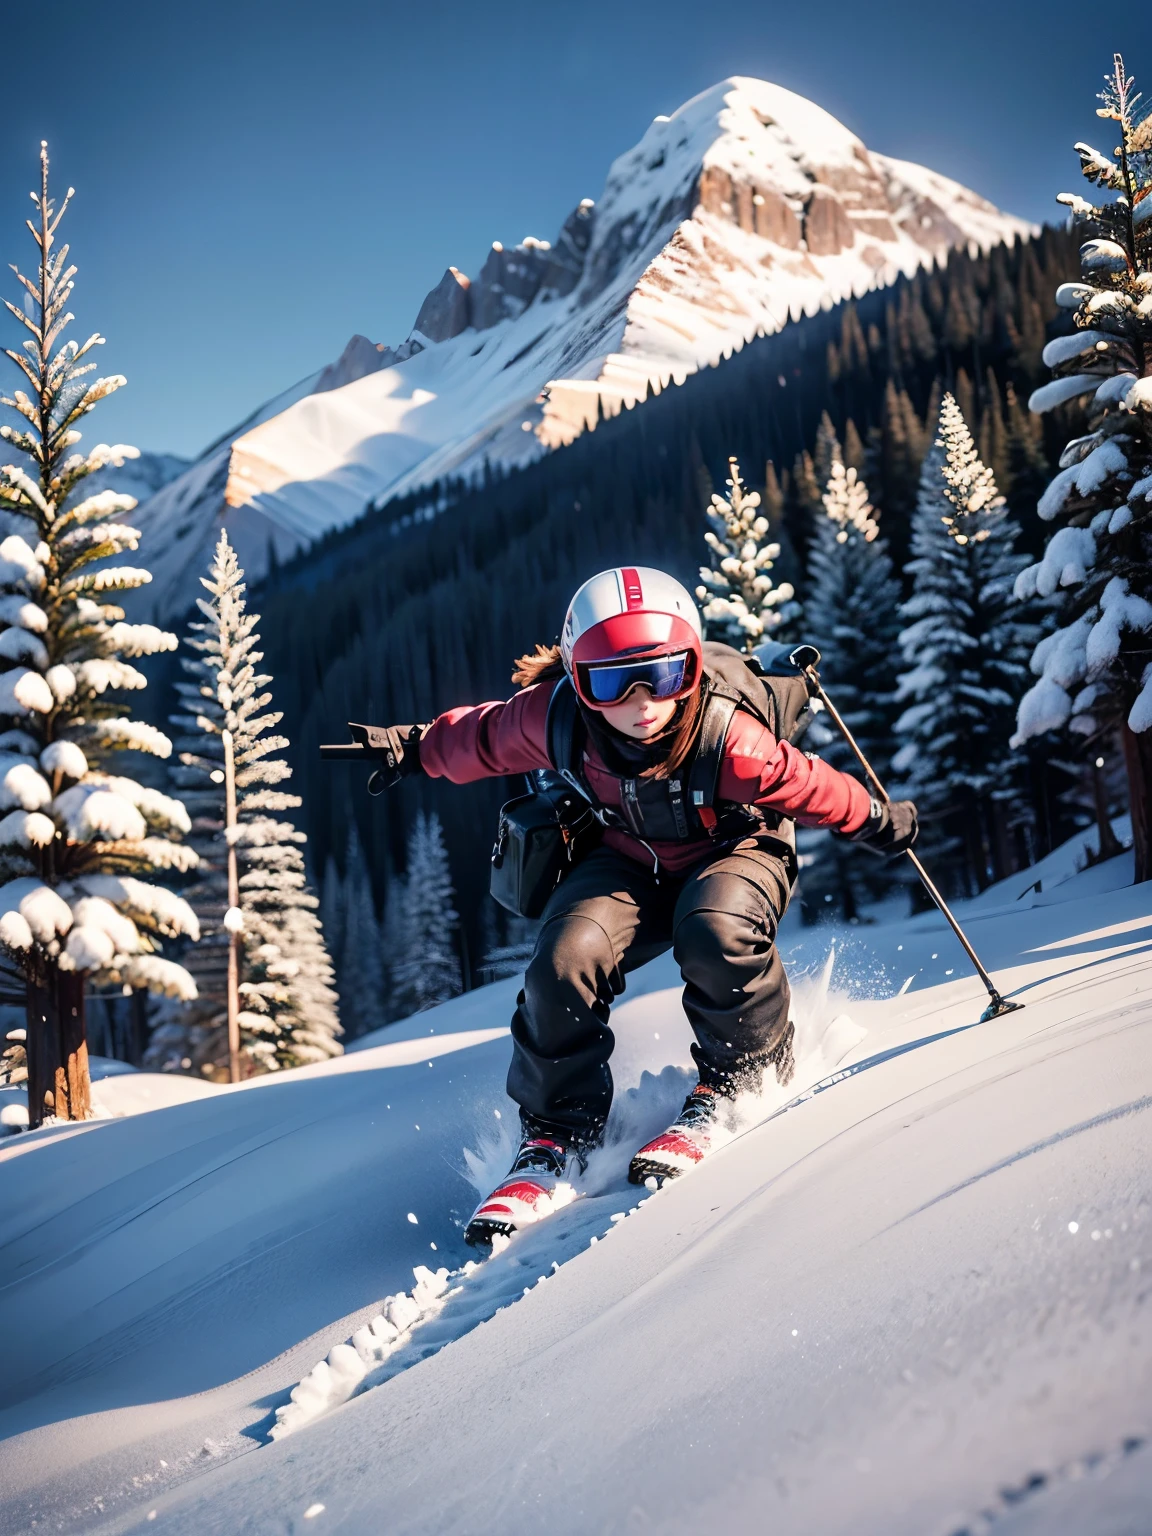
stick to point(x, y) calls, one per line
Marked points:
point(806, 658)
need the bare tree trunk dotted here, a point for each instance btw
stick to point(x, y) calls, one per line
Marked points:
point(73, 1084)
point(1109, 845)
point(139, 1032)
point(57, 1049)
point(1138, 761)
point(42, 1045)
point(233, 906)
point(999, 840)
point(1041, 802)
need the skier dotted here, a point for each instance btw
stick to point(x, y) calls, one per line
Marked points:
point(707, 872)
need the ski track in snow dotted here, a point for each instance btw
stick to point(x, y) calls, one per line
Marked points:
point(443, 1306)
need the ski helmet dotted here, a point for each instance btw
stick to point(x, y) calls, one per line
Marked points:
point(628, 627)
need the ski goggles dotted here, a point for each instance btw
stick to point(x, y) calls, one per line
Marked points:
point(610, 682)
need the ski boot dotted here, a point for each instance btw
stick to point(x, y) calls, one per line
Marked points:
point(534, 1188)
point(688, 1140)
point(685, 1143)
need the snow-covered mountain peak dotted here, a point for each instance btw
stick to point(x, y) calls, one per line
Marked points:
point(736, 121)
point(747, 207)
point(745, 150)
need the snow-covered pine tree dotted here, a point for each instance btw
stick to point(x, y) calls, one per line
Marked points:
point(966, 648)
point(392, 943)
point(740, 603)
point(77, 837)
point(360, 973)
point(254, 900)
point(1095, 675)
point(852, 614)
point(427, 970)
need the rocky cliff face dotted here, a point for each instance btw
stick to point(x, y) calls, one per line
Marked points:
point(360, 358)
point(748, 207)
point(510, 279)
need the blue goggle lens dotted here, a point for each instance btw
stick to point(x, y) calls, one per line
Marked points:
point(663, 676)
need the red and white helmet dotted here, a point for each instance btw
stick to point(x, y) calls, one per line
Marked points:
point(624, 619)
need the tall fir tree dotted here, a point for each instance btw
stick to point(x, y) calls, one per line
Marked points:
point(828, 450)
point(253, 895)
point(77, 837)
point(393, 942)
point(772, 501)
point(853, 448)
point(966, 646)
point(852, 614)
point(1095, 676)
point(427, 969)
point(740, 602)
point(1027, 464)
point(902, 447)
point(332, 911)
point(993, 443)
point(360, 969)
point(806, 489)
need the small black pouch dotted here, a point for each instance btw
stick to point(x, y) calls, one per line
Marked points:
point(540, 837)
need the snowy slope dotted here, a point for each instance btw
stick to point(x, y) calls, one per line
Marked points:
point(747, 207)
point(141, 477)
point(912, 1301)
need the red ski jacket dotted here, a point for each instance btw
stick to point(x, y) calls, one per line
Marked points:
point(488, 740)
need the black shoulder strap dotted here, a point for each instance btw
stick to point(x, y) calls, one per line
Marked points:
point(768, 684)
point(564, 735)
point(704, 774)
point(560, 728)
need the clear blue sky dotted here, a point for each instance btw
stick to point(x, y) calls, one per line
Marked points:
point(257, 181)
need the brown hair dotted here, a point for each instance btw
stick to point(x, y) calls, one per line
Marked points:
point(540, 667)
point(545, 663)
point(682, 739)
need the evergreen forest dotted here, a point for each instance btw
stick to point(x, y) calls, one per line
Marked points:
point(425, 602)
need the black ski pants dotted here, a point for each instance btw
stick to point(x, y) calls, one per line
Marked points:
point(611, 915)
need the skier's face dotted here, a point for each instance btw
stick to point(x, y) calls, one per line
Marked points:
point(640, 716)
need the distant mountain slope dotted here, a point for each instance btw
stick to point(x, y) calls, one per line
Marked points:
point(748, 207)
point(141, 477)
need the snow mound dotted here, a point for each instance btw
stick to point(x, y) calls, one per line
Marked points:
point(907, 1287)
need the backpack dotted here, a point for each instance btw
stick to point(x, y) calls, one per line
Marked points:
point(542, 834)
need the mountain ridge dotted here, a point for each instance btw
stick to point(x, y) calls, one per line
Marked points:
point(747, 208)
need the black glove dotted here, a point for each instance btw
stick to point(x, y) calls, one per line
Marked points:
point(398, 747)
point(890, 829)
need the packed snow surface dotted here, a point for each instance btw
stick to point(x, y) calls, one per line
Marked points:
point(748, 207)
point(907, 1295)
